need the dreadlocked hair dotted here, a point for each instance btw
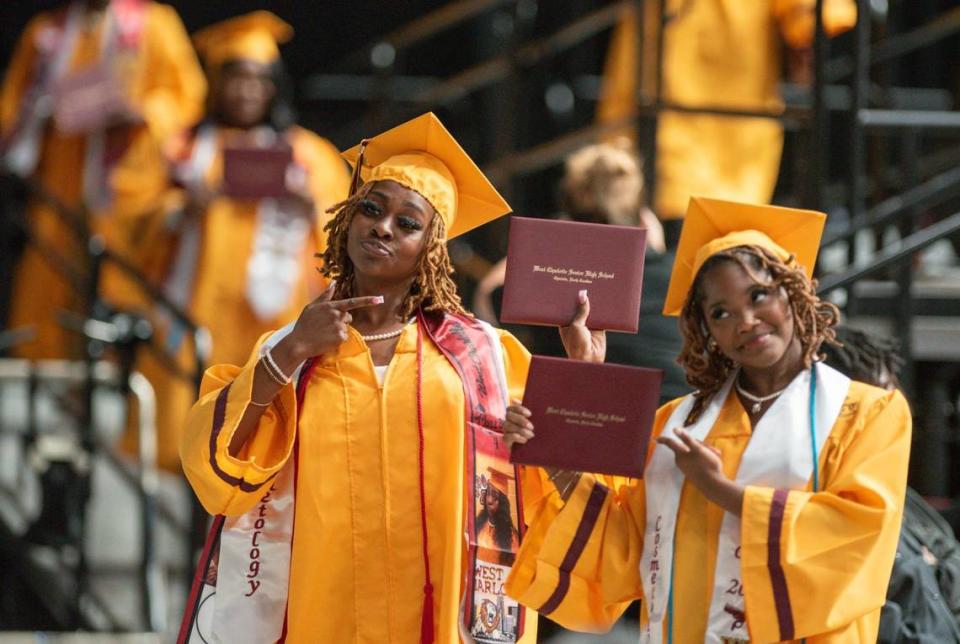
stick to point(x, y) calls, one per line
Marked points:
point(706, 366)
point(433, 288)
point(868, 358)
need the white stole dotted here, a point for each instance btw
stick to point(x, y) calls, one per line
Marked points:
point(249, 601)
point(780, 454)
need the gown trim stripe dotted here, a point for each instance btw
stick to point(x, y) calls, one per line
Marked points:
point(587, 522)
point(778, 580)
point(219, 415)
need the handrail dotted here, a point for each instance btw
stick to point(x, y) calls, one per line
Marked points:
point(498, 68)
point(935, 190)
point(75, 221)
point(895, 253)
point(941, 27)
point(420, 29)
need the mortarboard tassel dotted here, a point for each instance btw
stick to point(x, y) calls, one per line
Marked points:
point(355, 178)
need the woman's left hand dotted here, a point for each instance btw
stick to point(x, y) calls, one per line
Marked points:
point(580, 342)
point(701, 465)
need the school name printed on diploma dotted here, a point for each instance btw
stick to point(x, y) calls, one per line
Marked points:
point(572, 274)
point(587, 418)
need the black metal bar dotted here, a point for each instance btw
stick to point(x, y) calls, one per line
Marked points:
point(857, 176)
point(497, 69)
point(903, 307)
point(422, 28)
point(943, 26)
point(790, 115)
point(926, 119)
point(893, 254)
point(818, 133)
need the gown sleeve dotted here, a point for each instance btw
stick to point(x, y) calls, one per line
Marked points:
point(814, 562)
point(175, 86)
point(225, 484)
point(579, 562)
point(797, 19)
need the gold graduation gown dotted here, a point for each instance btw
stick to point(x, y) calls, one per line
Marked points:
point(837, 545)
point(717, 53)
point(217, 298)
point(165, 85)
point(357, 569)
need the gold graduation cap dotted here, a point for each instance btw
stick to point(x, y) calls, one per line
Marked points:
point(423, 156)
point(712, 226)
point(254, 36)
point(499, 480)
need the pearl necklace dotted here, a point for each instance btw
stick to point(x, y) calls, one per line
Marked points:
point(756, 400)
point(375, 337)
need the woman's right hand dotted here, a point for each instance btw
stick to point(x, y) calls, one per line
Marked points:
point(517, 428)
point(320, 329)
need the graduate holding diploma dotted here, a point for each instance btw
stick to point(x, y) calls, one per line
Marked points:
point(771, 502)
point(359, 454)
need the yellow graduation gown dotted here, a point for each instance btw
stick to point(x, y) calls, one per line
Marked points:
point(717, 53)
point(217, 298)
point(837, 545)
point(165, 85)
point(357, 569)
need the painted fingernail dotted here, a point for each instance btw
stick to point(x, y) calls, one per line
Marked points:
point(378, 299)
point(582, 296)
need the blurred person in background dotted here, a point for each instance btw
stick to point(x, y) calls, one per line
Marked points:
point(603, 184)
point(716, 53)
point(238, 266)
point(136, 58)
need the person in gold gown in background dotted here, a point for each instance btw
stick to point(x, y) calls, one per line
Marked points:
point(716, 53)
point(238, 266)
point(143, 50)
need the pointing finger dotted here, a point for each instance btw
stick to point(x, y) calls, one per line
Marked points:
point(675, 445)
point(327, 294)
point(357, 302)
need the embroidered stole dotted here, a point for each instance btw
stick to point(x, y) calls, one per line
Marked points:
point(487, 613)
point(780, 454)
point(236, 597)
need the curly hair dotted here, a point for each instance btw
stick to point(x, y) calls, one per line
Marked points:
point(433, 287)
point(706, 366)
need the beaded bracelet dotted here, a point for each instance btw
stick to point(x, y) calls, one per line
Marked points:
point(273, 369)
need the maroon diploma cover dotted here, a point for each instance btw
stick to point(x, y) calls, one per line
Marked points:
point(589, 417)
point(256, 173)
point(549, 262)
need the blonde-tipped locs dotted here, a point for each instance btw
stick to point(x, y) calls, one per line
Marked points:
point(433, 288)
point(707, 368)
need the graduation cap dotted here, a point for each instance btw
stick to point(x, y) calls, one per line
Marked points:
point(712, 226)
point(423, 156)
point(255, 36)
point(499, 480)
